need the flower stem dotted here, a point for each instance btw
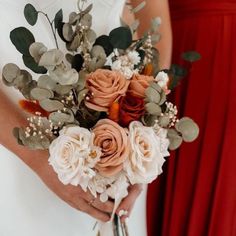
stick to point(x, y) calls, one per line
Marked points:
point(51, 25)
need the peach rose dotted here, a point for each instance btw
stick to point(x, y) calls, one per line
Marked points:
point(138, 85)
point(105, 87)
point(114, 143)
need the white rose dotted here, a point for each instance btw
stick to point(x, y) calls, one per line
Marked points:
point(73, 156)
point(147, 157)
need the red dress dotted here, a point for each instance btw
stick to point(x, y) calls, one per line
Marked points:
point(196, 194)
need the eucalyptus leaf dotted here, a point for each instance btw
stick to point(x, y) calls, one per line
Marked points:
point(91, 36)
point(68, 32)
point(41, 94)
point(88, 9)
point(177, 74)
point(121, 37)
point(155, 38)
point(36, 142)
point(60, 31)
point(22, 38)
point(10, 71)
point(31, 14)
point(63, 89)
point(51, 105)
point(82, 81)
point(27, 89)
point(134, 26)
point(74, 45)
point(81, 95)
point(139, 7)
point(156, 86)
point(152, 95)
point(86, 20)
point(149, 120)
point(58, 19)
point(153, 109)
point(69, 58)
point(31, 64)
point(104, 41)
point(191, 56)
point(51, 58)
point(77, 62)
point(46, 82)
point(73, 17)
point(163, 98)
point(5, 82)
point(174, 138)
point(155, 24)
point(36, 50)
point(22, 80)
point(62, 117)
point(164, 121)
point(188, 128)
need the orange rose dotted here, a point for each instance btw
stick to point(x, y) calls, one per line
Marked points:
point(105, 87)
point(138, 85)
point(114, 143)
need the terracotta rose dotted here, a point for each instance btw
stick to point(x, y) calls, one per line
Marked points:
point(114, 144)
point(105, 87)
point(138, 85)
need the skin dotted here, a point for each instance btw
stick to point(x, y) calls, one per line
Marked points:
point(37, 160)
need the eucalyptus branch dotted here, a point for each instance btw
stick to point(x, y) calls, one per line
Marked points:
point(51, 25)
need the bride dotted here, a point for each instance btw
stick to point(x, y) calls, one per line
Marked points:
point(33, 202)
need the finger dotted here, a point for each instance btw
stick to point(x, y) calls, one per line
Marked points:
point(127, 203)
point(83, 206)
point(99, 215)
point(108, 206)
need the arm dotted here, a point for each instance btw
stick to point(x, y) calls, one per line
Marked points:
point(156, 8)
point(11, 116)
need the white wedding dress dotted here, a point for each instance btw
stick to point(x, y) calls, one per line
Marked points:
point(27, 206)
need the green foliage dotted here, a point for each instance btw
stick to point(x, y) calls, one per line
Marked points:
point(58, 18)
point(31, 64)
point(121, 37)
point(191, 56)
point(177, 73)
point(31, 14)
point(22, 38)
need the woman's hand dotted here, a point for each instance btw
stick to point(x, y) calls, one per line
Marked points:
point(75, 196)
point(127, 203)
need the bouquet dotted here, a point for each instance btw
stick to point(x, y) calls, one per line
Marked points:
point(101, 108)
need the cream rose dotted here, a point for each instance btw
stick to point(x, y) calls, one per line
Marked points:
point(73, 156)
point(146, 156)
point(105, 87)
point(114, 144)
point(138, 85)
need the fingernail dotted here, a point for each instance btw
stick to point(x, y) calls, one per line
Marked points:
point(127, 220)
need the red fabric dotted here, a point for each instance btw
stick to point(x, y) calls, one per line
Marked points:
point(196, 194)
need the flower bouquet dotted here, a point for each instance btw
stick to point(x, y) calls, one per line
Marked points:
point(101, 108)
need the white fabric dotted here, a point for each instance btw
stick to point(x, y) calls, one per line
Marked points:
point(27, 206)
